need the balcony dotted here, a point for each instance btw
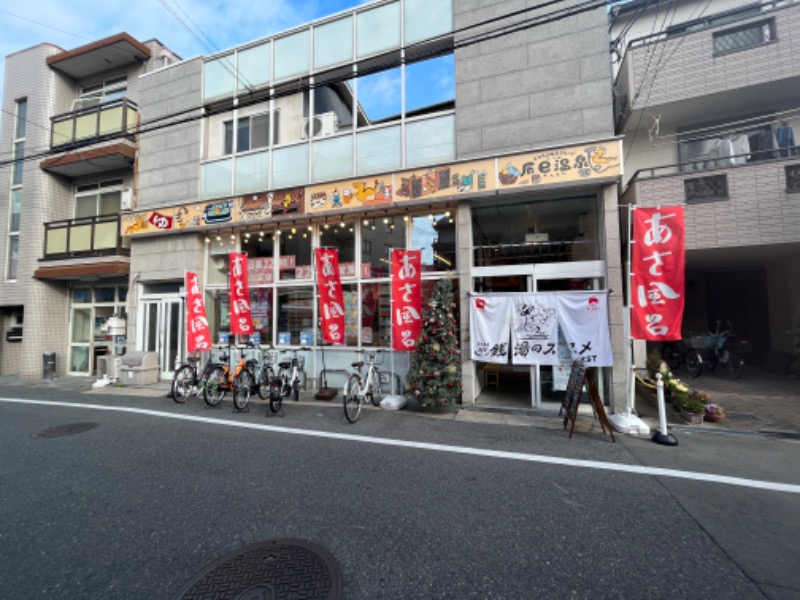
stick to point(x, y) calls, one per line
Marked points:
point(89, 246)
point(749, 53)
point(732, 207)
point(99, 132)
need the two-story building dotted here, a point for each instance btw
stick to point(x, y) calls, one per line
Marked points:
point(69, 126)
point(706, 96)
point(481, 135)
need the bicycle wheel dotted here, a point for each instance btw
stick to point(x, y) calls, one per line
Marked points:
point(215, 388)
point(375, 389)
point(712, 360)
point(735, 366)
point(275, 396)
point(693, 364)
point(182, 383)
point(296, 390)
point(671, 356)
point(263, 384)
point(352, 403)
point(242, 388)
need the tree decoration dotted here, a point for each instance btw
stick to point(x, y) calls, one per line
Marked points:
point(434, 376)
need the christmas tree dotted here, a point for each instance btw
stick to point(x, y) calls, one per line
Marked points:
point(434, 377)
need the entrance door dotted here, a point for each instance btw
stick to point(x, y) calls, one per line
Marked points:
point(162, 320)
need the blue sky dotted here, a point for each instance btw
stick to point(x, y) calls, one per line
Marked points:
point(226, 22)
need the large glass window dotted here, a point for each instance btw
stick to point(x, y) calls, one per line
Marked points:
point(332, 159)
point(380, 96)
point(261, 303)
point(216, 179)
point(435, 236)
point(430, 141)
point(252, 173)
point(292, 55)
point(379, 150)
point(376, 317)
point(425, 19)
point(344, 240)
point(295, 306)
point(378, 236)
point(378, 29)
point(254, 66)
point(430, 85)
point(290, 166)
point(526, 231)
point(218, 77)
point(333, 43)
point(294, 261)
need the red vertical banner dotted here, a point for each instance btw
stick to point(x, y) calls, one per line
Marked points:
point(241, 315)
point(658, 273)
point(406, 298)
point(331, 300)
point(198, 335)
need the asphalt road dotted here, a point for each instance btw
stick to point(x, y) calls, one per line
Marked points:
point(137, 506)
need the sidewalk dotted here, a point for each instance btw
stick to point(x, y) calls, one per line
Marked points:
point(759, 402)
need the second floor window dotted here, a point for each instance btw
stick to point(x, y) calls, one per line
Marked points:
point(101, 92)
point(252, 132)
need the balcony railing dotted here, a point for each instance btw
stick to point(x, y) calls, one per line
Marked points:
point(85, 237)
point(86, 124)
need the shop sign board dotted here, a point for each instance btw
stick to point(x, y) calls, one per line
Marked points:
point(553, 166)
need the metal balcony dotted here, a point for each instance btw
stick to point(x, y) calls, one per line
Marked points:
point(101, 122)
point(85, 237)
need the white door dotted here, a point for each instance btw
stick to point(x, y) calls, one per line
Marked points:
point(162, 327)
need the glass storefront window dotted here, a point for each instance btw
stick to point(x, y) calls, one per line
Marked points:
point(295, 308)
point(523, 232)
point(378, 236)
point(261, 305)
point(294, 260)
point(81, 325)
point(79, 359)
point(435, 235)
point(376, 320)
point(344, 240)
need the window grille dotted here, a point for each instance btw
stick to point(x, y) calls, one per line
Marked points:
point(793, 179)
point(706, 189)
point(753, 34)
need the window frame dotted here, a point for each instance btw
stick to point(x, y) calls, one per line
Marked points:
point(231, 129)
point(761, 25)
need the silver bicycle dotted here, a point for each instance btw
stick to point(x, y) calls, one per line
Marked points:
point(360, 388)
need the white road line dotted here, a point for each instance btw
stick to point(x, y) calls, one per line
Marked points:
point(538, 458)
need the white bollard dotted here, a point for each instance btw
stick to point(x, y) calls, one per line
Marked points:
point(662, 436)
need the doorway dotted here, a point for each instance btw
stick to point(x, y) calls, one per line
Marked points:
point(537, 386)
point(162, 330)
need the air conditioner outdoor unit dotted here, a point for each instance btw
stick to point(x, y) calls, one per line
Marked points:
point(126, 199)
point(81, 103)
point(324, 124)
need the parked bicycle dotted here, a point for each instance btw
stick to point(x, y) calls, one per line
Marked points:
point(682, 352)
point(239, 379)
point(289, 371)
point(359, 388)
point(725, 348)
point(187, 381)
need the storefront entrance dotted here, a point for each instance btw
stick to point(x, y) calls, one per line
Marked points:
point(162, 330)
point(519, 386)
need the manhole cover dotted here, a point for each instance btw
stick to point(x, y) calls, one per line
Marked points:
point(62, 430)
point(271, 570)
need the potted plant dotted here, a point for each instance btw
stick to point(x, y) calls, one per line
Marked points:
point(714, 413)
point(690, 402)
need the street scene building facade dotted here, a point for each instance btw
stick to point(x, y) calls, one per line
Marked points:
point(69, 122)
point(488, 145)
point(706, 99)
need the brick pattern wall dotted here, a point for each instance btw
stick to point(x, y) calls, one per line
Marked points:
point(685, 66)
point(758, 210)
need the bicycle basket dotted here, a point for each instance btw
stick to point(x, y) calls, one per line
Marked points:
point(377, 357)
point(698, 342)
point(299, 362)
point(271, 356)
